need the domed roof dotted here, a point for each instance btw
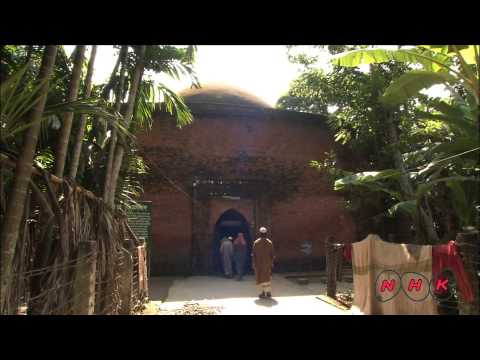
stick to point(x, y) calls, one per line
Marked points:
point(222, 95)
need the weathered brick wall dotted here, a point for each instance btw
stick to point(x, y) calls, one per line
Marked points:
point(311, 218)
point(273, 149)
point(171, 231)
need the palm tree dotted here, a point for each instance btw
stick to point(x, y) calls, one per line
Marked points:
point(23, 172)
point(83, 119)
point(119, 151)
point(158, 59)
point(62, 147)
point(118, 102)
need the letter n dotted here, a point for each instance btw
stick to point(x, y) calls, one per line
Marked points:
point(389, 284)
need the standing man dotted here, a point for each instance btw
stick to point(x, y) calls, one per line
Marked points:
point(239, 254)
point(226, 249)
point(262, 261)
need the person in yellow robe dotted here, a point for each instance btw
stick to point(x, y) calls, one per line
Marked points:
point(262, 263)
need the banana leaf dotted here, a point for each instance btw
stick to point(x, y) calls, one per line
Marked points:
point(429, 60)
point(426, 187)
point(410, 84)
point(458, 146)
point(408, 207)
point(366, 177)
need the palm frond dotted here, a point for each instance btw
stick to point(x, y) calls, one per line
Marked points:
point(175, 106)
point(144, 106)
point(16, 103)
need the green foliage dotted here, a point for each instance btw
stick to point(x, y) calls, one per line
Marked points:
point(328, 166)
point(462, 203)
point(437, 139)
point(424, 188)
point(443, 59)
point(16, 102)
point(170, 102)
point(429, 60)
point(45, 159)
point(349, 96)
point(411, 83)
point(19, 92)
point(144, 107)
point(175, 106)
point(130, 183)
point(366, 178)
point(408, 207)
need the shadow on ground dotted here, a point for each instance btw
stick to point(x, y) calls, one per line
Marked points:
point(159, 287)
point(266, 302)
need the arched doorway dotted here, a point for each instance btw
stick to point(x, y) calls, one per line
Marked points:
point(230, 223)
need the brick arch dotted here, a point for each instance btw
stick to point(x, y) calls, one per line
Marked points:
point(231, 214)
point(219, 206)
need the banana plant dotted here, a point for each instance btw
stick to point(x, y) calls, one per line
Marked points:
point(440, 64)
point(378, 181)
point(449, 65)
point(457, 67)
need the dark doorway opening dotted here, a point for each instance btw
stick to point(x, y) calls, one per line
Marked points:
point(230, 223)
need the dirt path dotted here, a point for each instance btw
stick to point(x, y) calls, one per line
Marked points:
point(215, 295)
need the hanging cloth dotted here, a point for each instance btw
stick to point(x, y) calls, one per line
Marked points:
point(376, 262)
point(447, 256)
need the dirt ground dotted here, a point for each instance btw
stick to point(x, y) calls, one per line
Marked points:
point(205, 295)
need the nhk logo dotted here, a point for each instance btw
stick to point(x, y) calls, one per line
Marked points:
point(416, 286)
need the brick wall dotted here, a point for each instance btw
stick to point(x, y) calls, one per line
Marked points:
point(275, 149)
point(171, 231)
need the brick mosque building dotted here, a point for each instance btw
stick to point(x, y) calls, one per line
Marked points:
point(240, 165)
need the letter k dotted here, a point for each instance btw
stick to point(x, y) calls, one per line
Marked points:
point(442, 283)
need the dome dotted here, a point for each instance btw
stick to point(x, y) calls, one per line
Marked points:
point(222, 95)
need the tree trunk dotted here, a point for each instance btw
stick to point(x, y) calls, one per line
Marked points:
point(113, 140)
point(77, 150)
point(23, 171)
point(62, 147)
point(28, 57)
point(119, 152)
point(407, 188)
point(111, 81)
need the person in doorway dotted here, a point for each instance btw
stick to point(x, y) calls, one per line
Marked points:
point(225, 238)
point(226, 250)
point(239, 254)
point(262, 261)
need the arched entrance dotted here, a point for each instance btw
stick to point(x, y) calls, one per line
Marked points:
point(230, 223)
